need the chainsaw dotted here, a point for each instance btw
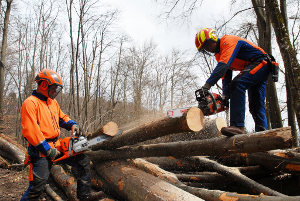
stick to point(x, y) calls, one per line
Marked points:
point(209, 103)
point(79, 143)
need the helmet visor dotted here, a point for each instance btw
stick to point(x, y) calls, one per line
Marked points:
point(54, 90)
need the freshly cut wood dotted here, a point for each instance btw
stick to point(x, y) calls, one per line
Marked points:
point(133, 184)
point(52, 193)
point(111, 129)
point(10, 151)
point(192, 120)
point(211, 129)
point(65, 182)
point(246, 143)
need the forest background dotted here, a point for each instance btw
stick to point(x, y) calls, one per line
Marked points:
point(128, 61)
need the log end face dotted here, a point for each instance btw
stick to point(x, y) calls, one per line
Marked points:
point(220, 123)
point(111, 128)
point(195, 119)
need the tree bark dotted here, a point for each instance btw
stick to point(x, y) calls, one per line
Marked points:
point(133, 184)
point(10, 151)
point(192, 120)
point(264, 41)
point(235, 175)
point(204, 193)
point(3, 56)
point(66, 182)
point(211, 129)
point(52, 193)
point(246, 143)
point(292, 66)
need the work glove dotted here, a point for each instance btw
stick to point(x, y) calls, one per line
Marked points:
point(75, 130)
point(53, 153)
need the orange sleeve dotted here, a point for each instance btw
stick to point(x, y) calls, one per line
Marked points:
point(30, 128)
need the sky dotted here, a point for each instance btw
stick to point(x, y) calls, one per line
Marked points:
point(141, 20)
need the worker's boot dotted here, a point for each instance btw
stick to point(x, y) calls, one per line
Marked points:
point(93, 196)
point(232, 130)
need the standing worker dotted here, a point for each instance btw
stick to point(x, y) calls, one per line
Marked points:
point(237, 54)
point(41, 119)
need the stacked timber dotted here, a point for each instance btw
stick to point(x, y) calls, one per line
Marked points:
point(187, 158)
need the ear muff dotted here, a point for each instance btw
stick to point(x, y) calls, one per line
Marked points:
point(44, 85)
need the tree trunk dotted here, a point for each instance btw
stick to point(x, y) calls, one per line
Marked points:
point(133, 184)
point(289, 56)
point(246, 143)
point(264, 41)
point(66, 182)
point(3, 56)
point(211, 129)
point(192, 120)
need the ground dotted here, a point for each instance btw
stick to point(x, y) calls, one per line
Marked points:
point(13, 182)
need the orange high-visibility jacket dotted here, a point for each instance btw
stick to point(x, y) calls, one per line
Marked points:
point(41, 119)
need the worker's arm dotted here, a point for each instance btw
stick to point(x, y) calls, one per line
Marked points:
point(30, 128)
point(64, 120)
point(228, 55)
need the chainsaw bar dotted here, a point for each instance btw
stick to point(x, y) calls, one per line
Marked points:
point(178, 112)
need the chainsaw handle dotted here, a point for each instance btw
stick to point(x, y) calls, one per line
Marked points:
point(213, 100)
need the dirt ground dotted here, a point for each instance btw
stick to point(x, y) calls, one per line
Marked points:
point(13, 183)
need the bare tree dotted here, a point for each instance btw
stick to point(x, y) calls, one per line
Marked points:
point(292, 67)
point(3, 55)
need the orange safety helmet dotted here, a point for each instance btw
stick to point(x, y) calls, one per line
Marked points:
point(53, 82)
point(203, 35)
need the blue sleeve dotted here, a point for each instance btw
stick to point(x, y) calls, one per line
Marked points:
point(66, 125)
point(218, 72)
point(43, 147)
point(226, 83)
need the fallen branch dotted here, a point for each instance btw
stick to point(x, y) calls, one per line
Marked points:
point(52, 194)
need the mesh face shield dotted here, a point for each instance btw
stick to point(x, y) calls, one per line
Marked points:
point(54, 90)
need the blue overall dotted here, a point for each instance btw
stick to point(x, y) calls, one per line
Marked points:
point(237, 54)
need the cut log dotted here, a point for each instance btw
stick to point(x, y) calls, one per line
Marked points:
point(209, 195)
point(211, 129)
point(203, 177)
point(192, 120)
point(133, 184)
point(65, 182)
point(111, 129)
point(236, 176)
point(275, 160)
point(246, 143)
point(52, 194)
point(11, 151)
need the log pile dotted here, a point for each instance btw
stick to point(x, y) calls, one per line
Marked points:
point(187, 158)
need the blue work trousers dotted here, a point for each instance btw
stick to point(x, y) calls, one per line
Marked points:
point(256, 86)
point(41, 171)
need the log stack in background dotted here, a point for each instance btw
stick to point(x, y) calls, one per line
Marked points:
point(187, 158)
